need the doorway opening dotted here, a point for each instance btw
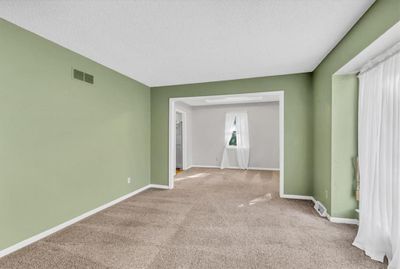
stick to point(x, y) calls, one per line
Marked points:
point(183, 156)
point(178, 141)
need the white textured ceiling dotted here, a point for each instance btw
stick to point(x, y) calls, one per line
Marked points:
point(160, 42)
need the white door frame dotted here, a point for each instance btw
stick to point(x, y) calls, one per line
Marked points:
point(172, 139)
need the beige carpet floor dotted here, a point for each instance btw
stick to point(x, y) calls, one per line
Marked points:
point(212, 219)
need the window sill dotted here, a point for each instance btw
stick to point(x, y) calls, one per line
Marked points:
point(231, 147)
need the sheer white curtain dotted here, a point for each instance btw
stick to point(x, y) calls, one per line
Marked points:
point(229, 128)
point(237, 121)
point(243, 144)
point(379, 157)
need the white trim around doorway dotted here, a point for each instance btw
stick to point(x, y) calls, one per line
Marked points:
point(172, 113)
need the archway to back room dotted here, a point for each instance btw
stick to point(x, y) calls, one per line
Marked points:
point(238, 135)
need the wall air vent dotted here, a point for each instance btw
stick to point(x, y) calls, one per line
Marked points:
point(85, 77)
point(89, 78)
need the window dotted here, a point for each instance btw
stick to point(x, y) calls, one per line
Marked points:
point(233, 140)
point(236, 139)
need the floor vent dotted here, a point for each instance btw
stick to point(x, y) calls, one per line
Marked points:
point(320, 209)
point(85, 77)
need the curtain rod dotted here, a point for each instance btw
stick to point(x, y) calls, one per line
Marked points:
point(380, 58)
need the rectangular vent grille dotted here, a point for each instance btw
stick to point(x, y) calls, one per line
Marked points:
point(89, 78)
point(79, 75)
point(320, 209)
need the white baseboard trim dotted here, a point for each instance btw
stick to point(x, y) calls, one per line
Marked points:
point(61, 226)
point(202, 166)
point(298, 197)
point(339, 220)
point(343, 220)
point(232, 167)
point(158, 186)
point(331, 219)
point(261, 168)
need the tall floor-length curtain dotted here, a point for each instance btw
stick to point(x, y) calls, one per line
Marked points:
point(379, 159)
point(237, 121)
point(229, 128)
point(242, 137)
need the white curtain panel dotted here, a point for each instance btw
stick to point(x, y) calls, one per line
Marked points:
point(242, 139)
point(379, 157)
point(229, 127)
point(243, 144)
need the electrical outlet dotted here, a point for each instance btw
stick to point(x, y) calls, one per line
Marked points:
point(129, 180)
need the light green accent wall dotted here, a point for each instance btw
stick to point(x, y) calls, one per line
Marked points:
point(298, 123)
point(379, 18)
point(322, 142)
point(66, 147)
point(344, 145)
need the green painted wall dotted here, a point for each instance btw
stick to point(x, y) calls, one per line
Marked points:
point(66, 147)
point(380, 17)
point(298, 123)
point(344, 145)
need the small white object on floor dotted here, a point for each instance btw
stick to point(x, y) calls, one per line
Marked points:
point(264, 198)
